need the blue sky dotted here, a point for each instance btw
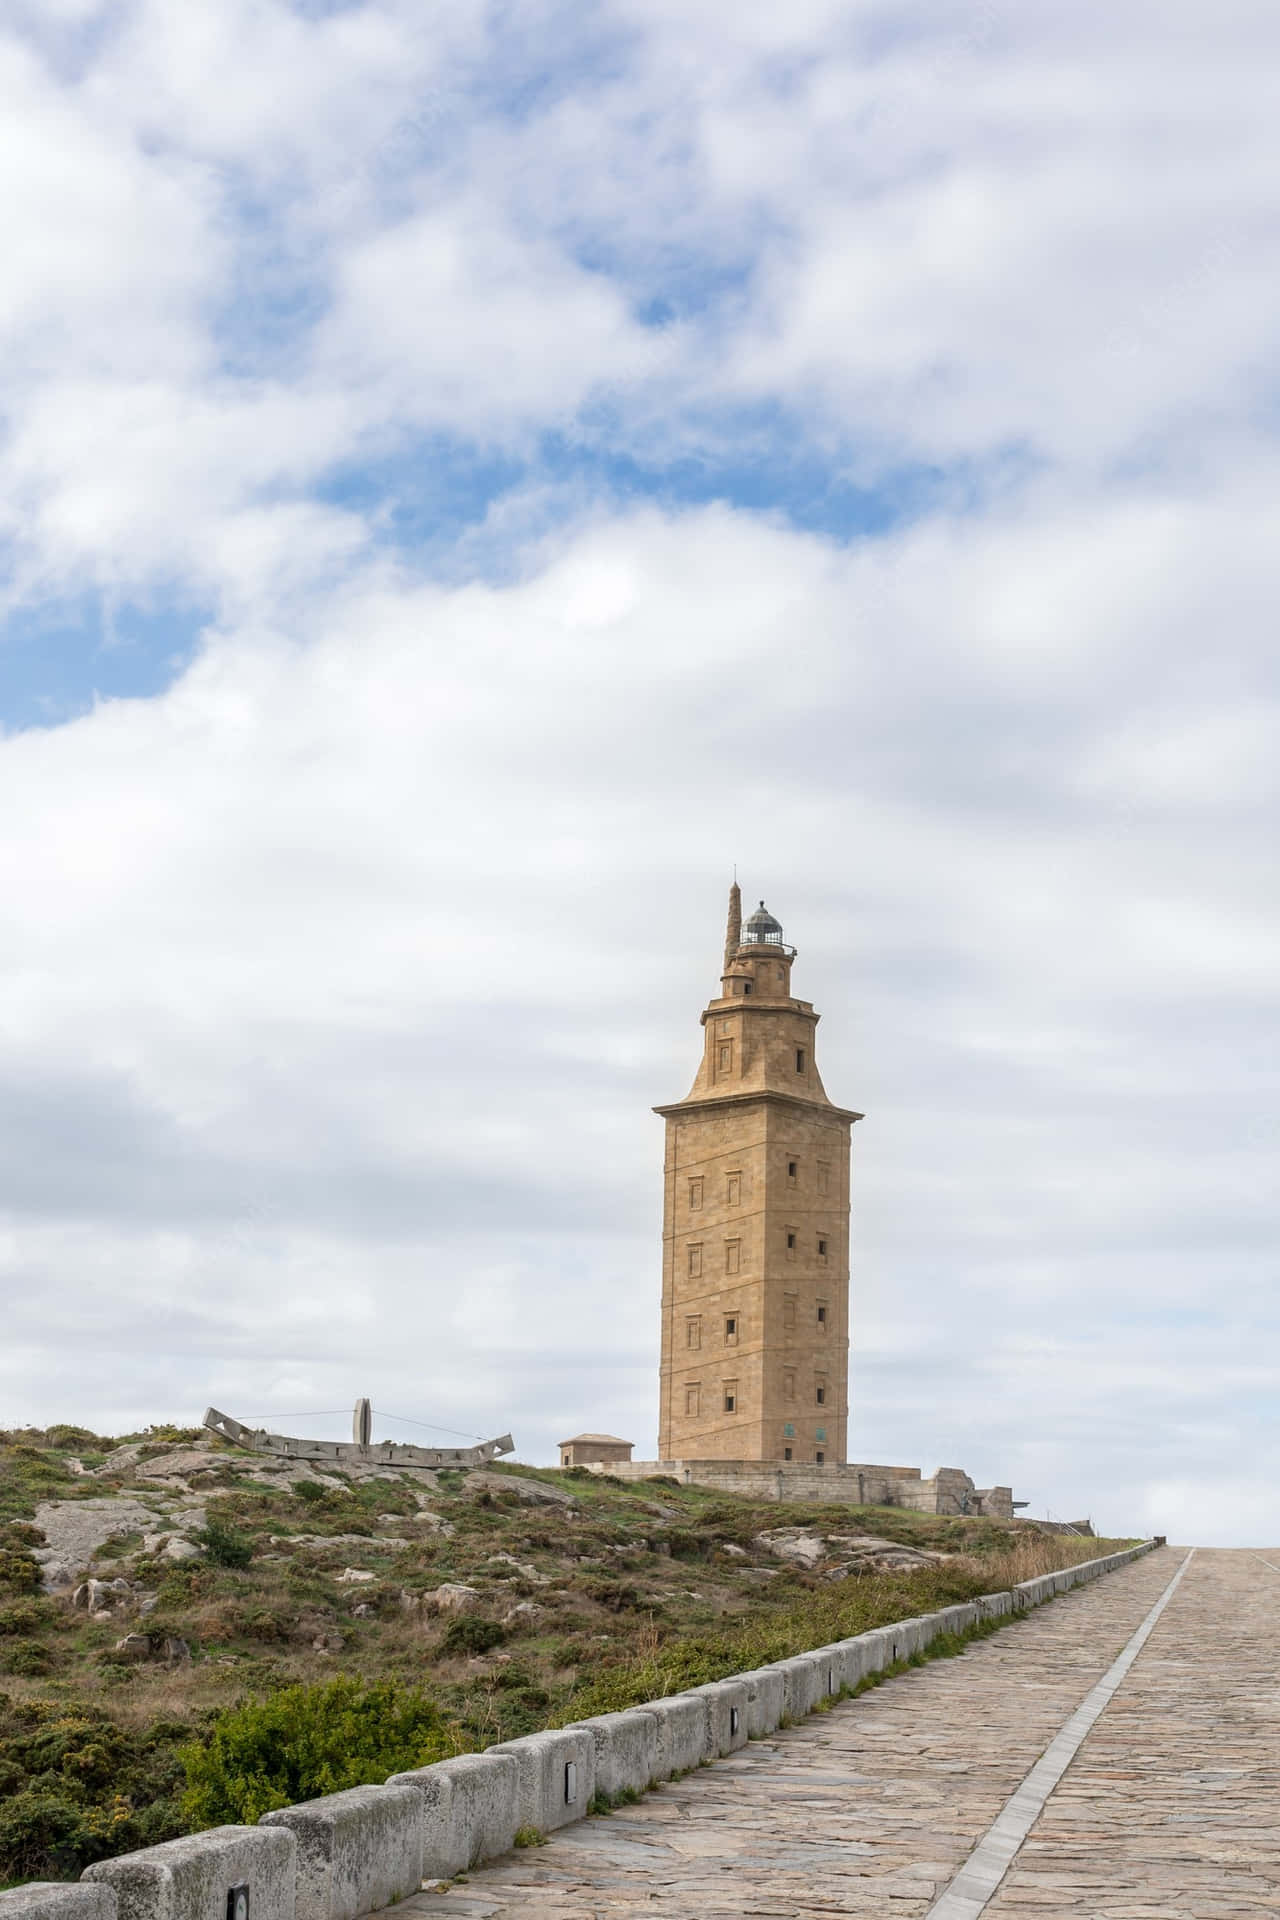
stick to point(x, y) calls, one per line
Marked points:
point(468, 477)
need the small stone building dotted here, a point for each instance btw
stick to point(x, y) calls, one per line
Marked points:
point(595, 1450)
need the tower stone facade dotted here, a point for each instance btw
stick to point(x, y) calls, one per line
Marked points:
point(755, 1286)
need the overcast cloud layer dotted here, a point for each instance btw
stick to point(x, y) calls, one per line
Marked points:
point(470, 475)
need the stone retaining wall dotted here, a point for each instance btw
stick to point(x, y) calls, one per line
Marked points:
point(351, 1853)
point(860, 1485)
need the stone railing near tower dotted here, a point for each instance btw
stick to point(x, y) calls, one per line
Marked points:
point(859, 1484)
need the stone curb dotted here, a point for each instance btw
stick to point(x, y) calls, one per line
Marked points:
point(347, 1854)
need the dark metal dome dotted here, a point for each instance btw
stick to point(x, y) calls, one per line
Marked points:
point(762, 930)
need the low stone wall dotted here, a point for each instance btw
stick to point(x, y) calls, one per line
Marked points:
point(858, 1483)
point(351, 1853)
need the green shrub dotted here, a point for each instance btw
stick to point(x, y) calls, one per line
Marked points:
point(120, 1546)
point(27, 1616)
point(75, 1788)
point(618, 1596)
point(309, 1489)
point(25, 1657)
point(75, 1439)
point(302, 1742)
point(261, 1624)
point(471, 1635)
point(178, 1587)
point(223, 1546)
point(19, 1573)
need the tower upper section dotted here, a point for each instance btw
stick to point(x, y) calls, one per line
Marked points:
point(758, 1039)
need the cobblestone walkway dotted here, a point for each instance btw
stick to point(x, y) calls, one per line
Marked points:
point(1170, 1808)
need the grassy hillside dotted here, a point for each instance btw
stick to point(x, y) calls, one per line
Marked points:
point(147, 1587)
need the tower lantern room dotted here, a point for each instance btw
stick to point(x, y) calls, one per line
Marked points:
point(762, 930)
point(757, 959)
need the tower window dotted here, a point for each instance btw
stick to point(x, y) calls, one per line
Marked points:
point(732, 1255)
point(693, 1400)
point(792, 1169)
point(733, 1190)
point(786, 1453)
point(822, 1316)
point(726, 1057)
point(821, 1396)
point(695, 1194)
point(820, 1457)
point(695, 1262)
point(693, 1331)
point(788, 1386)
point(799, 1059)
point(746, 988)
point(731, 1331)
point(791, 1242)
point(822, 1249)
point(789, 1310)
point(731, 1396)
point(824, 1176)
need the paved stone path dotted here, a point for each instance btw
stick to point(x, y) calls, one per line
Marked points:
point(1171, 1808)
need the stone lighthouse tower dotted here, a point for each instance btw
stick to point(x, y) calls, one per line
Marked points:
point(755, 1274)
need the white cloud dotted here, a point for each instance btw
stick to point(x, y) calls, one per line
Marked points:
point(252, 246)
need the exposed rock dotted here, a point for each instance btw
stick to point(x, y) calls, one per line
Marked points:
point(425, 1518)
point(366, 1540)
point(271, 1470)
point(854, 1552)
point(103, 1597)
point(177, 1467)
point(796, 1544)
point(195, 1459)
point(76, 1529)
point(452, 1597)
point(171, 1546)
point(522, 1614)
point(522, 1567)
point(120, 1460)
point(733, 1550)
point(165, 1648)
point(867, 1553)
point(421, 1483)
point(354, 1577)
point(532, 1491)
